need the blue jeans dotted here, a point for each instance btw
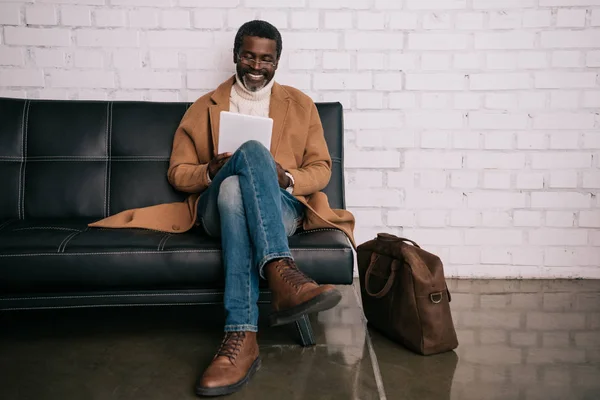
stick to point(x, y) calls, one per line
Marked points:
point(253, 216)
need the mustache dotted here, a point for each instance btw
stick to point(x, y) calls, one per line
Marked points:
point(254, 71)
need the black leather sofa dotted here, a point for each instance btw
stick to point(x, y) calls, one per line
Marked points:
point(64, 164)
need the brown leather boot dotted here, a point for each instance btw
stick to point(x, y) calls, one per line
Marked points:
point(295, 294)
point(232, 367)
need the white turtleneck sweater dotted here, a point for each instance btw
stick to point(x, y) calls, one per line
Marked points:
point(243, 101)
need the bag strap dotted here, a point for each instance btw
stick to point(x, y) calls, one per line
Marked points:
point(386, 237)
point(410, 241)
point(388, 284)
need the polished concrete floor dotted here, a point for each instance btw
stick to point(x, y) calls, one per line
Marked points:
point(518, 340)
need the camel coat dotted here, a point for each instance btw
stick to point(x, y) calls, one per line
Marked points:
point(297, 144)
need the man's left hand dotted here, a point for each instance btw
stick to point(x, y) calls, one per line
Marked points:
point(284, 180)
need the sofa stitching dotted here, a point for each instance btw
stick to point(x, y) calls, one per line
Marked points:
point(140, 158)
point(71, 238)
point(5, 224)
point(115, 295)
point(165, 242)
point(114, 229)
point(85, 158)
point(111, 253)
point(109, 140)
point(161, 240)
point(116, 305)
point(150, 252)
point(56, 228)
point(25, 158)
point(106, 159)
point(317, 230)
point(323, 230)
point(108, 305)
point(66, 239)
point(21, 160)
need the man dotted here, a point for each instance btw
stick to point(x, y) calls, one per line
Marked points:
point(252, 199)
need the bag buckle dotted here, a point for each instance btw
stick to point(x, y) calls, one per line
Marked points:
point(436, 298)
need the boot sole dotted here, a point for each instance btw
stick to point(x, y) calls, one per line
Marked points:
point(322, 302)
point(229, 389)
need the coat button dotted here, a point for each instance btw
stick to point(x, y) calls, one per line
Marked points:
point(175, 227)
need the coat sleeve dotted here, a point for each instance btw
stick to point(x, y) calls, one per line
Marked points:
point(315, 171)
point(186, 173)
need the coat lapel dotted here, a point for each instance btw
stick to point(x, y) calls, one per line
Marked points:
point(221, 99)
point(278, 111)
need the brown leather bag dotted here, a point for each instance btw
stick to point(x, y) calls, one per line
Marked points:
point(404, 294)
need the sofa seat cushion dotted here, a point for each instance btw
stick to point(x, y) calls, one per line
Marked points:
point(47, 256)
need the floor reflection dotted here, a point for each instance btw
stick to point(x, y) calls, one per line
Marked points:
point(527, 339)
point(407, 375)
point(518, 340)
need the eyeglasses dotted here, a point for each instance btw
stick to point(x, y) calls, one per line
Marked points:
point(261, 64)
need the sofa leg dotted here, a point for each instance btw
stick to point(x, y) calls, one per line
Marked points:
point(305, 331)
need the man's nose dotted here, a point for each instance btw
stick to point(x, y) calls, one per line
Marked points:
point(255, 63)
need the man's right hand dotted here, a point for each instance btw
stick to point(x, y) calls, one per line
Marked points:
point(217, 163)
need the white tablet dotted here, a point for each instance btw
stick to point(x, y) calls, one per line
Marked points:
point(236, 129)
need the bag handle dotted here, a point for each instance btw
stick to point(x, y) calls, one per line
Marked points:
point(388, 284)
point(386, 237)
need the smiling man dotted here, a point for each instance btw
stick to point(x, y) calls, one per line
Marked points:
point(255, 198)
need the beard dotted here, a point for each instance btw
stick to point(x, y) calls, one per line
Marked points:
point(253, 80)
point(253, 86)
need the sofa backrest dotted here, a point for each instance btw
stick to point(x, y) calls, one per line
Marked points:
point(91, 159)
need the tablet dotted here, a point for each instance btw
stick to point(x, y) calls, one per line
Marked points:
point(236, 129)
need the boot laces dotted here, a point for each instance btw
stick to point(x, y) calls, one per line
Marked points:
point(290, 273)
point(231, 345)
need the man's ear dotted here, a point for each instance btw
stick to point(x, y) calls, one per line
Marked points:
point(235, 58)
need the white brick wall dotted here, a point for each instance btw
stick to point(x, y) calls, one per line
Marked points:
point(472, 126)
